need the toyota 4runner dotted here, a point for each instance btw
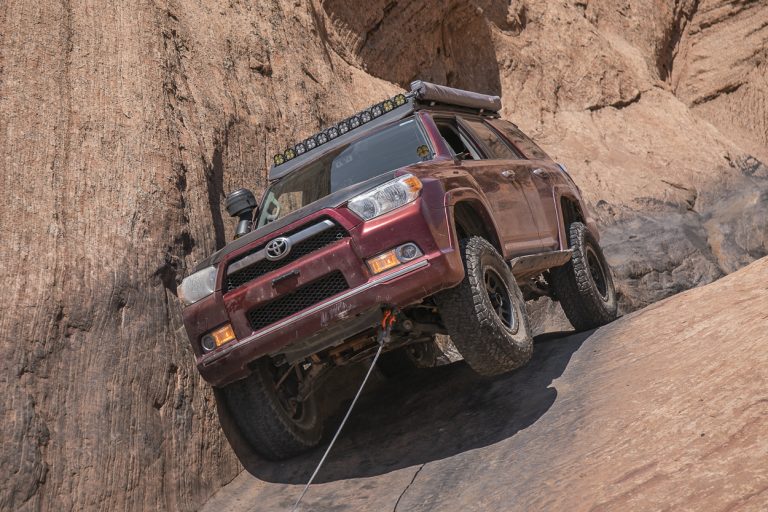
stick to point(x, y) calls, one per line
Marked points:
point(427, 204)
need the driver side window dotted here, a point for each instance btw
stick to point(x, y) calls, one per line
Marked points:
point(457, 142)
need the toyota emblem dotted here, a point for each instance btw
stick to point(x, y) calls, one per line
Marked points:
point(278, 248)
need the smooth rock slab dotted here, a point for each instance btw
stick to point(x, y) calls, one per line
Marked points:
point(665, 409)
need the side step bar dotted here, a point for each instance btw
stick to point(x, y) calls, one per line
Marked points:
point(525, 267)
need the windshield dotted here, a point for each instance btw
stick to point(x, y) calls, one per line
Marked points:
point(386, 150)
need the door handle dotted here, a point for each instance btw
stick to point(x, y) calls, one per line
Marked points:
point(540, 172)
point(508, 174)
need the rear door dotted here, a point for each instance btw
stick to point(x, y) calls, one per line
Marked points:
point(504, 192)
point(544, 176)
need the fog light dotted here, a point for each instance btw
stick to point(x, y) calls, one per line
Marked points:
point(208, 343)
point(407, 252)
point(394, 257)
point(217, 338)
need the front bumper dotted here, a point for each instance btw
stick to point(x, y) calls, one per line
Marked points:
point(330, 321)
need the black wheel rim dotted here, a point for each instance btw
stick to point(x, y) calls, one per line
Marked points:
point(500, 298)
point(597, 273)
point(288, 390)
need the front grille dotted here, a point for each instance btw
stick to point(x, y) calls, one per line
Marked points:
point(299, 299)
point(299, 250)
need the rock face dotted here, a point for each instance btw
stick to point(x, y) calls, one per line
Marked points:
point(122, 125)
point(663, 409)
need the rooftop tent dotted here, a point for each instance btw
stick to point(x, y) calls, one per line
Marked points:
point(428, 92)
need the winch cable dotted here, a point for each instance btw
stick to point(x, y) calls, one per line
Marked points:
point(387, 321)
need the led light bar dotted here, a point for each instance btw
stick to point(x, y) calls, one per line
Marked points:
point(340, 128)
point(421, 92)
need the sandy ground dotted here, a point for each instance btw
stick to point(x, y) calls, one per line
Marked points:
point(664, 409)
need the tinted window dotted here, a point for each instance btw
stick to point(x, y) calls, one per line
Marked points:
point(520, 140)
point(386, 150)
point(490, 139)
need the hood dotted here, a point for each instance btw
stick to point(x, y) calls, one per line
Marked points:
point(333, 200)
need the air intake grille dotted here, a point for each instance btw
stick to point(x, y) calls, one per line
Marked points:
point(299, 299)
point(299, 250)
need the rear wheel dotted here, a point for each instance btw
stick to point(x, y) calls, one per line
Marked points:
point(584, 285)
point(485, 314)
point(266, 411)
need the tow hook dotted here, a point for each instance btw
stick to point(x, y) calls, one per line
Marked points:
point(388, 319)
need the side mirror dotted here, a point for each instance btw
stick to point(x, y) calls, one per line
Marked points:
point(241, 203)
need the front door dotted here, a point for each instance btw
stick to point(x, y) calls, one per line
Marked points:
point(503, 188)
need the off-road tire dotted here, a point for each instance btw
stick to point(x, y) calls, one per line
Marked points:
point(578, 292)
point(408, 359)
point(488, 344)
point(264, 422)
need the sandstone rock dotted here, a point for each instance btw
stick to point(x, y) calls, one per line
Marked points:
point(121, 127)
point(663, 408)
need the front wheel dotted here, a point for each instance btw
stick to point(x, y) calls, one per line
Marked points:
point(584, 285)
point(485, 314)
point(265, 409)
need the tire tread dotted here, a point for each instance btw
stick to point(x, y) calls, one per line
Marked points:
point(475, 330)
point(262, 421)
point(574, 288)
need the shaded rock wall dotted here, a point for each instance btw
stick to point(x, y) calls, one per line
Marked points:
point(123, 124)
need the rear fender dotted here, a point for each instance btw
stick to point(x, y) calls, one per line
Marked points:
point(583, 212)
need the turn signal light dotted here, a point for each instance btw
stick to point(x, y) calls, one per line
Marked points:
point(394, 257)
point(382, 262)
point(217, 338)
point(413, 183)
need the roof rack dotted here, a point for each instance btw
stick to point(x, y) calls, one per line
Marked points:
point(392, 109)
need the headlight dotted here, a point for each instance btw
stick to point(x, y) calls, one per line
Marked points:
point(385, 198)
point(197, 286)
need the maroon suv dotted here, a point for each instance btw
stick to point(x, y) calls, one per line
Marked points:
point(427, 204)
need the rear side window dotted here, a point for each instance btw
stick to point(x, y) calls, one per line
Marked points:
point(491, 140)
point(520, 140)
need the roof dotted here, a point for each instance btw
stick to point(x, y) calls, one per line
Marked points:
point(422, 94)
